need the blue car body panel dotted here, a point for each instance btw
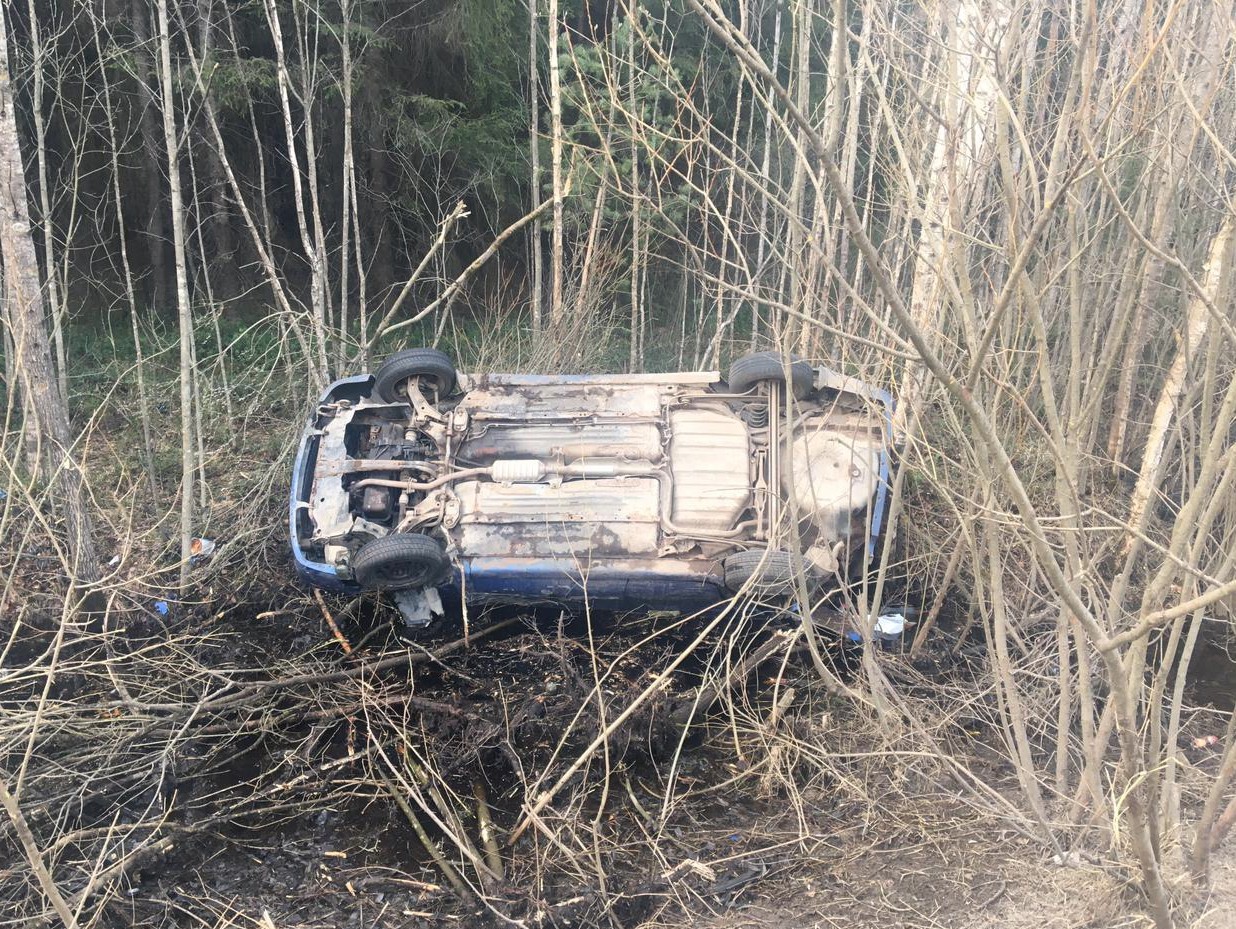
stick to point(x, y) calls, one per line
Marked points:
point(317, 573)
point(622, 585)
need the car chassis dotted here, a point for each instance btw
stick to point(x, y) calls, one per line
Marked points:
point(632, 491)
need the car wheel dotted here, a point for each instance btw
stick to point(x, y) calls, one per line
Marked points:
point(401, 560)
point(770, 571)
point(433, 368)
point(749, 370)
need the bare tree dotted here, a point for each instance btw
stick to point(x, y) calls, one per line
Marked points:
point(312, 242)
point(536, 283)
point(26, 314)
point(184, 306)
point(152, 183)
point(967, 94)
point(1197, 323)
point(556, 258)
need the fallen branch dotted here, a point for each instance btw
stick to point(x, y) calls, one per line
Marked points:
point(330, 621)
point(323, 677)
point(533, 812)
point(489, 839)
point(435, 851)
point(456, 285)
point(31, 848)
point(458, 213)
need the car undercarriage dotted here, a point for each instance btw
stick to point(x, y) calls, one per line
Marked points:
point(544, 486)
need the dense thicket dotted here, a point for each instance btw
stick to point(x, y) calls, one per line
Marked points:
point(1017, 215)
point(438, 113)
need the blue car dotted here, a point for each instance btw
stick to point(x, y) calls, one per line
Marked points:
point(636, 491)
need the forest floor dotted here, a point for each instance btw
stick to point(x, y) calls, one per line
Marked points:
point(829, 827)
point(772, 804)
point(354, 867)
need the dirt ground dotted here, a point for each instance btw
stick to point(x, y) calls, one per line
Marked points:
point(360, 869)
point(777, 806)
point(848, 845)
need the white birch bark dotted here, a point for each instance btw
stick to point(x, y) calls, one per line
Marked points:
point(26, 318)
point(969, 98)
point(184, 309)
point(347, 181)
point(309, 241)
point(537, 275)
point(1182, 132)
point(54, 303)
point(1197, 322)
point(307, 45)
point(555, 110)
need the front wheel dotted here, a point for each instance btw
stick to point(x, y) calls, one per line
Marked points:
point(415, 368)
point(403, 560)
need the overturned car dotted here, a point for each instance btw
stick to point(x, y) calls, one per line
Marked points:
point(657, 491)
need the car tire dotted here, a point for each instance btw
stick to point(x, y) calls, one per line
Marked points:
point(398, 371)
point(399, 561)
point(770, 571)
point(749, 370)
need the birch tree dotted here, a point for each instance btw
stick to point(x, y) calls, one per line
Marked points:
point(967, 94)
point(556, 258)
point(536, 271)
point(26, 314)
point(184, 308)
point(1202, 306)
point(312, 242)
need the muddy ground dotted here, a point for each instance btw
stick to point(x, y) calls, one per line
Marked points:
point(822, 841)
point(737, 792)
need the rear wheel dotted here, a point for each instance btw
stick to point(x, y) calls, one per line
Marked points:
point(401, 560)
point(429, 367)
point(771, 571)
point(749, 370)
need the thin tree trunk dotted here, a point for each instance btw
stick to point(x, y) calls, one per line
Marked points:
point(212, 119)
point(1177, 163)
point(54, 304)
point(970, 96)
point(362, 277)
point(537, 275)
point(378, 211)
point(556, 143)
point(309, 242)
point(154, 220)
point(27, 322)
point(725, 318)
point(224, 276)
point(762, 235)
point(1011, 705)
point(46, 882)
point(635, 361)
point(783, 328)
point(308, 98)
point(347, 182)
point(207, 285)
point(259, 236)
point(583, 293)
point(1196, 323)
point(183, 307)
point(139, 362)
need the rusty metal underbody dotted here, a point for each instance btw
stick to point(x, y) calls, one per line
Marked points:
point(667, 471)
